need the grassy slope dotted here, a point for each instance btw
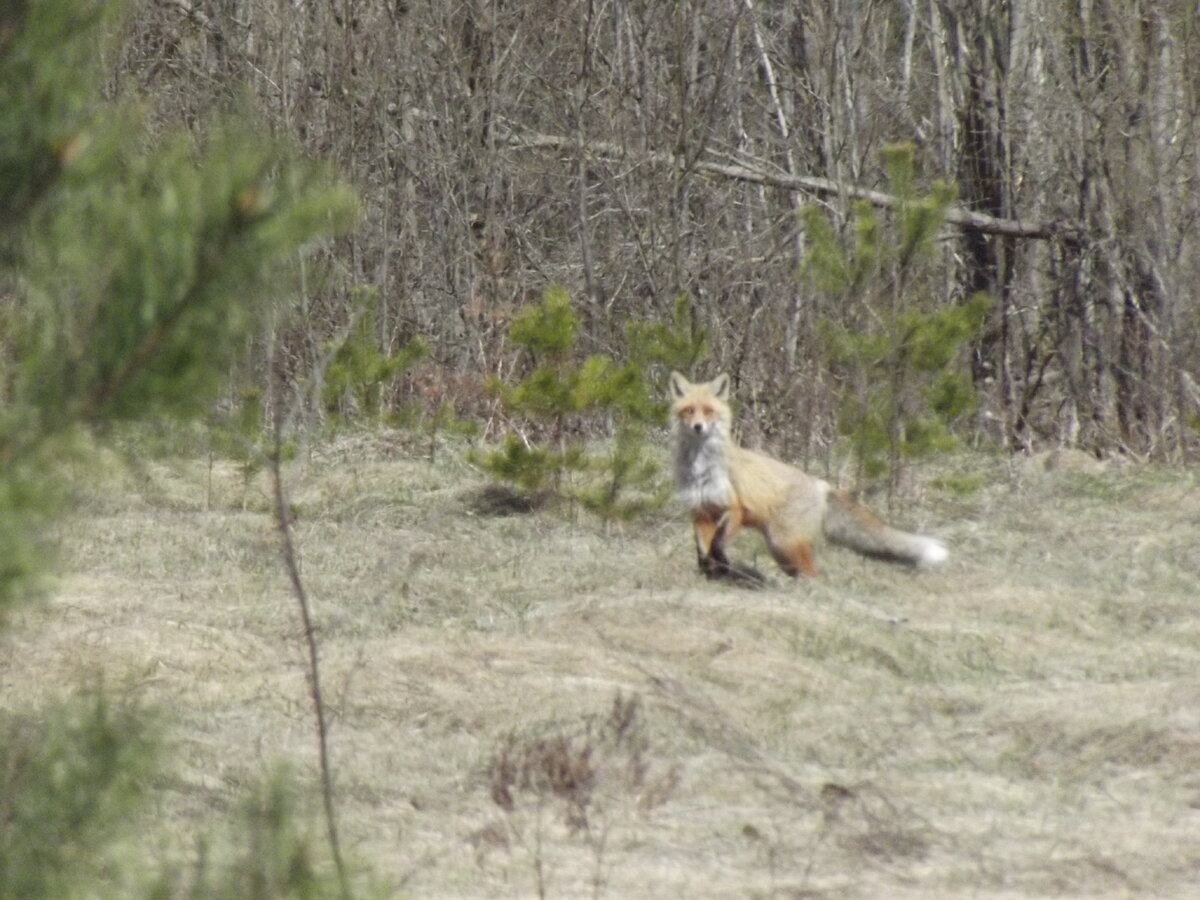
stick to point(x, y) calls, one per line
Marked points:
point(1024, 722)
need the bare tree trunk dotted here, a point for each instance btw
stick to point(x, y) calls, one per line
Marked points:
point(793, 320)
point(583, 85)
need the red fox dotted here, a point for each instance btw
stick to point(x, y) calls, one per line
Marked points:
point(726, 486)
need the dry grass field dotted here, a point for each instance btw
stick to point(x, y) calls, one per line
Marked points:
point(528, 706)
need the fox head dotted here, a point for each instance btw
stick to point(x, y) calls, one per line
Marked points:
point(700, 409)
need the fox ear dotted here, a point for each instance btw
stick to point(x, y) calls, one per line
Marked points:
point(679, 384)
point(720, 386)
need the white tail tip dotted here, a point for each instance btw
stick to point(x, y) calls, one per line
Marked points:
point(932, 553)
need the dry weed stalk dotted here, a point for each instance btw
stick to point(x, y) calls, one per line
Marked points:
point(578, 768)
point(284, 523)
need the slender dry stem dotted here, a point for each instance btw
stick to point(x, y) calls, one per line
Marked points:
point(291, 564)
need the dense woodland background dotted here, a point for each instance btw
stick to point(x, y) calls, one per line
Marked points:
point(634, 151)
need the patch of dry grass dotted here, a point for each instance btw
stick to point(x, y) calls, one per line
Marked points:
point(1024, 722)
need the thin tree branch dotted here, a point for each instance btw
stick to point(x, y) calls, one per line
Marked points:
point(964, 218)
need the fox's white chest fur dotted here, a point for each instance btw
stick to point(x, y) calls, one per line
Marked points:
point(702, 470)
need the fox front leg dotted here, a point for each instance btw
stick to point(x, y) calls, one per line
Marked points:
point(711, 535)
point(710, 551)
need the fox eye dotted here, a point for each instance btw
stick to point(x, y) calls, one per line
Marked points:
point(687, 410)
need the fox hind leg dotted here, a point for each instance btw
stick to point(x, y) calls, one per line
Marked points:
point(795, 556)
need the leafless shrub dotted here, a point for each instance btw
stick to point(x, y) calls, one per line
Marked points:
point(582, 767)
point(589, 775)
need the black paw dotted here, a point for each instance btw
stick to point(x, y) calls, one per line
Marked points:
point(715, 568)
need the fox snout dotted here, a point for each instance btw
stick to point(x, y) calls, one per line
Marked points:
point(696, 427)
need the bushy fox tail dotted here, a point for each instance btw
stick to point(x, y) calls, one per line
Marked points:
point(849, 524)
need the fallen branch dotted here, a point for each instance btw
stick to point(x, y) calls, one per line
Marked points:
point(962, 217)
